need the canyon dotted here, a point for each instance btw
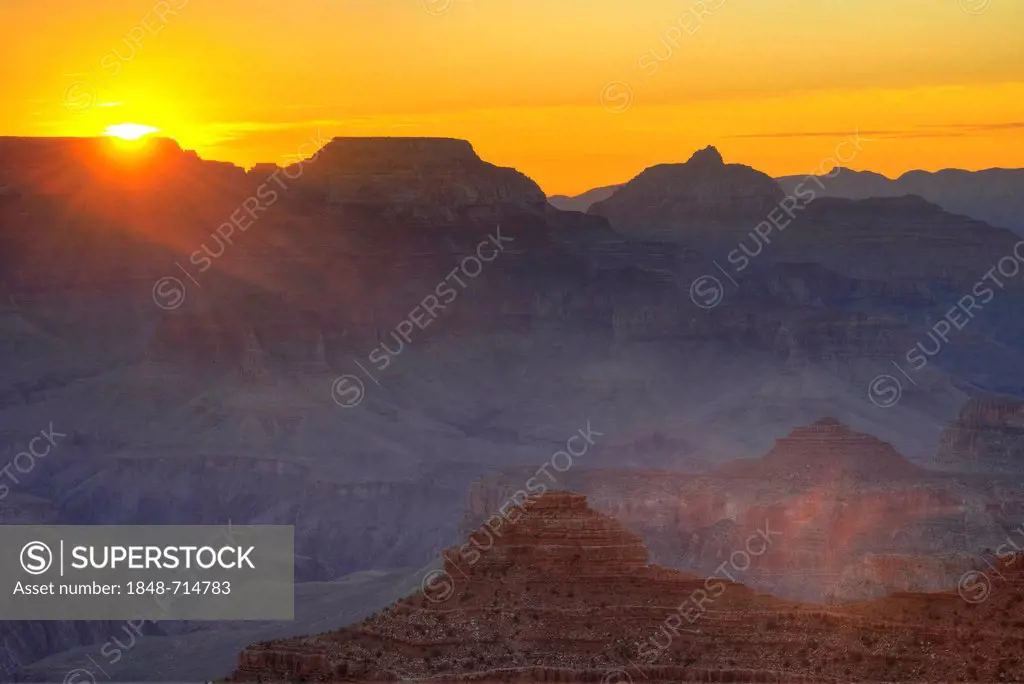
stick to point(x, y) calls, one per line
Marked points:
point(218, 405)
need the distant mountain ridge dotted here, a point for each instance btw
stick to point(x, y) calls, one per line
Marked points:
point(582, 202)
point(705, 187)
point(995, 195)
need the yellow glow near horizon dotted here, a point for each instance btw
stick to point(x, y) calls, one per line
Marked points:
point(129, 131)
point(573, 94)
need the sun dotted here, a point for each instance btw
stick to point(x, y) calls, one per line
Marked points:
point(129, 131)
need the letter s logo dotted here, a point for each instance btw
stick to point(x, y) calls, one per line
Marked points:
point(36, 558)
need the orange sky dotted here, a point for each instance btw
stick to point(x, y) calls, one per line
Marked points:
point(575, 93)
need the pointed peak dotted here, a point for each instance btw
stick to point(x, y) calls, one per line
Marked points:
point(827, 424)
point(709, 156)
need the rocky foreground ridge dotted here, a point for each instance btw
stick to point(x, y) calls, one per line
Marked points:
point(559, 592)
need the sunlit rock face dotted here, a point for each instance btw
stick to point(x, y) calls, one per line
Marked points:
point(84, 213)
point(69, 166)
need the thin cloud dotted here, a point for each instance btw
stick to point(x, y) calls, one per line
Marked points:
point(937, 131)
point(1011, 125)
point(809, 134)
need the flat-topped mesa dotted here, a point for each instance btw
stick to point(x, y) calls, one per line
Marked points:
point(703, 187)
point(555, 533)
point(425, 179)
point(381, 154)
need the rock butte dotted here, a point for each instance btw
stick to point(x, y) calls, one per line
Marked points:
point(705, 186)
point(858, 520)
point(564, 593)
point(827, 449)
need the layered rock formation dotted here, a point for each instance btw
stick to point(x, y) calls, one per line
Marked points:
point(903, 264)
point(560, 536)
point(423, 180)
point(825, 452)
point(564, 595)
point(987, 436)
point(714, 208)
point(856, 519)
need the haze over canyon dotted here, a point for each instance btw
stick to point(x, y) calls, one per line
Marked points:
point(396, 346)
